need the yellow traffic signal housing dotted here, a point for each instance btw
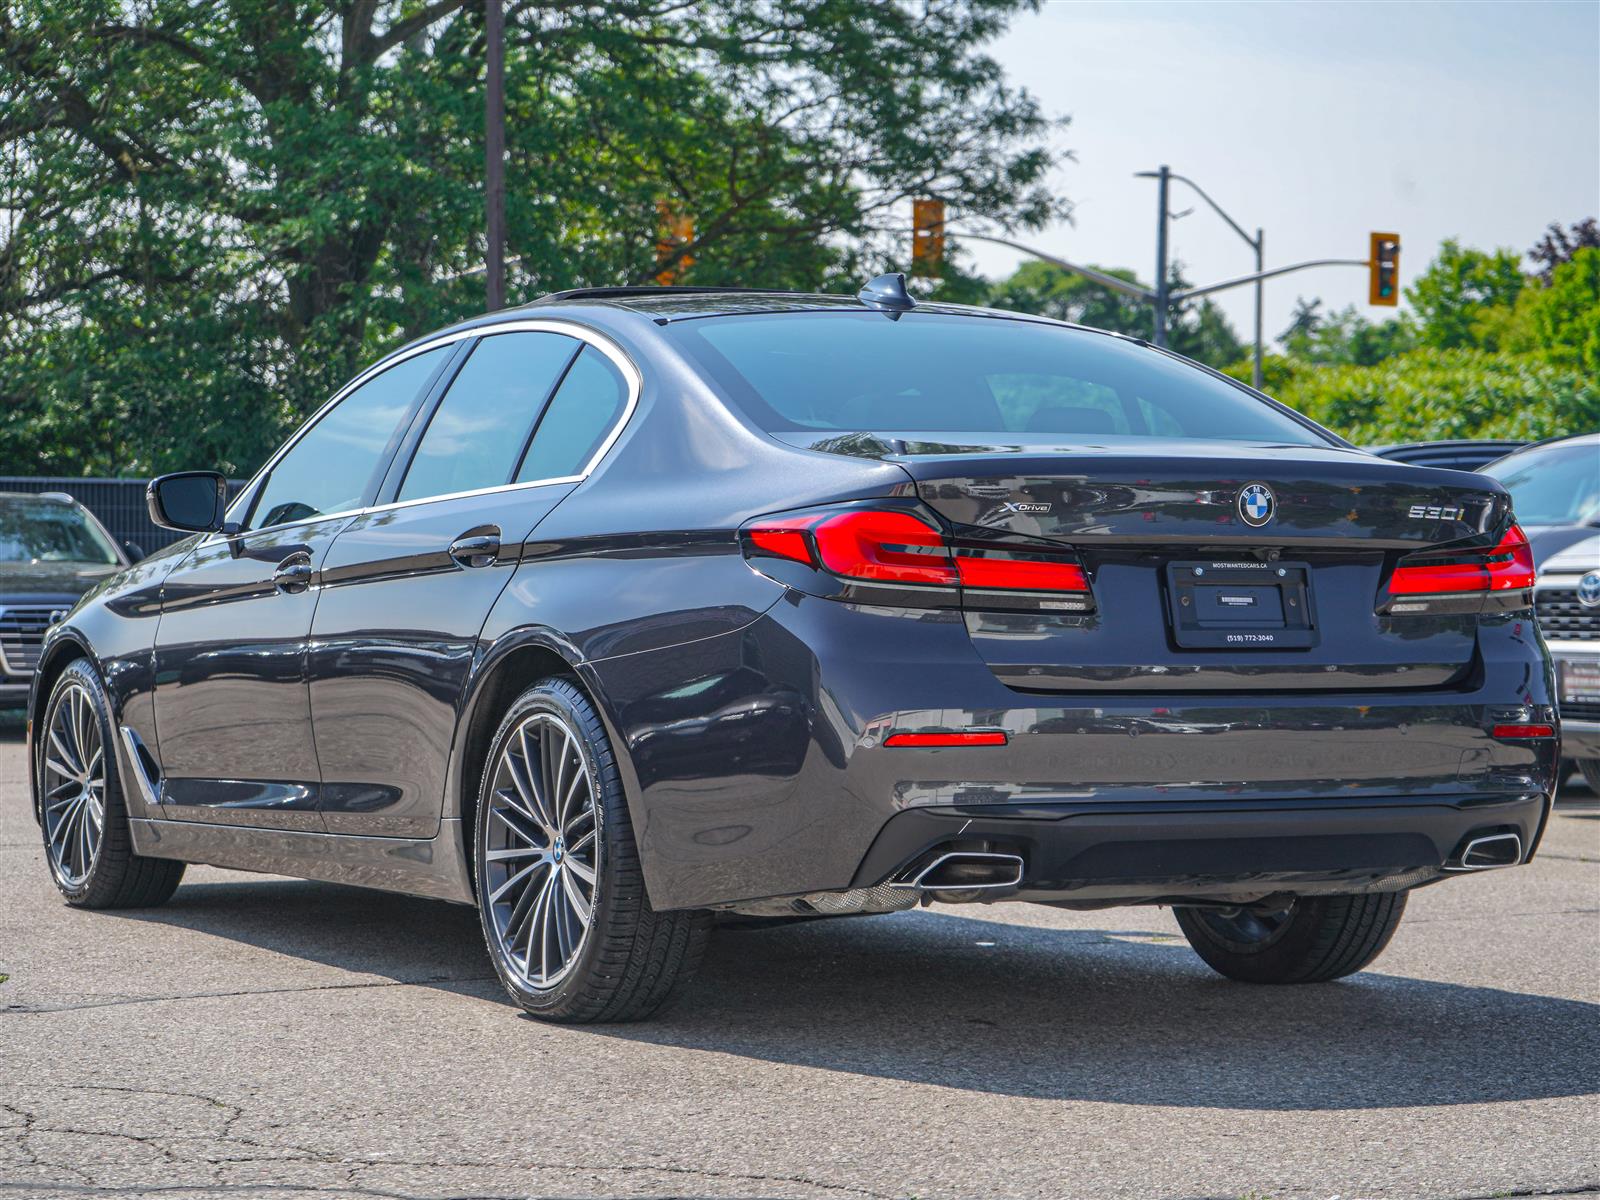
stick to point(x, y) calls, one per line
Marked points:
point(1383, 266)
point(674, 230)
point(927, 238)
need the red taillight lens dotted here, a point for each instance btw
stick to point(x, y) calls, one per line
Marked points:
point(898, 546)
point(1019, 574)
point(892, 547)
point(930, 741)
point(1509, 566)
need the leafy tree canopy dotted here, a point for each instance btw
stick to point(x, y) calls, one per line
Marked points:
point(1200, 331)
point(210, 215)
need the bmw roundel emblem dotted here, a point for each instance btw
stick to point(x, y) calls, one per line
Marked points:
point(1256, 504)
point(1589, 590)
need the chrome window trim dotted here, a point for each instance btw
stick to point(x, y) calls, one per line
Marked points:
point(582, 333)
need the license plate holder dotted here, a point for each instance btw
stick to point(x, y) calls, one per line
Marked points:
point(1215, 604)
point(1580, 681)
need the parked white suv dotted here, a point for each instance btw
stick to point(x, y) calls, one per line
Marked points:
point(1567, 599)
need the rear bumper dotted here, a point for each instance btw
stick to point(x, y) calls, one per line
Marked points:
point(756, 764)
point(1097, 855)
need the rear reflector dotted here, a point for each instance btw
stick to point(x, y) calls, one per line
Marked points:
point(1524, 731)
point(994, 737)
point(1508, 567)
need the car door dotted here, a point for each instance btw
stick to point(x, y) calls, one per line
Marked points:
point(232, 714)
point(408, 586)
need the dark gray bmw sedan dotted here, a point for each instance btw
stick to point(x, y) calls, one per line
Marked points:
point(636, 608)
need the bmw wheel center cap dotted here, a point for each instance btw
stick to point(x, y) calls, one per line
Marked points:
point(1256, 504)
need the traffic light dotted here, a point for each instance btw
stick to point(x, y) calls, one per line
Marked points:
point(927, 238)
point(674, 230)
point(1383, 266)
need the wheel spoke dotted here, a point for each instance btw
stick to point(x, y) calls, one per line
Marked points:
point(512, 819)
point(582, 870)
point(517, 852)
point(66, 764)
point(513, 880)
point(575, 897)
point(533, 769)
point(582, 843)
point(557, 791)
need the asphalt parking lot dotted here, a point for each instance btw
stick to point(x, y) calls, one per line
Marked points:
point(268, 1037)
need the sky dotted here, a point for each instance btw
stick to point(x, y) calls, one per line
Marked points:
point(1318, 122)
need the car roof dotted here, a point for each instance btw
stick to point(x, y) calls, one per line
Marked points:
point(665, 305)
point(1545, 444)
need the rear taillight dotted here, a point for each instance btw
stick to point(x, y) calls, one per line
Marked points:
point(1507, 567)
point(893, 546)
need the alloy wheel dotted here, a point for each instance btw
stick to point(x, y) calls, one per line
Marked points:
point(1246, 929)
point(541, 859)
point(73, 770)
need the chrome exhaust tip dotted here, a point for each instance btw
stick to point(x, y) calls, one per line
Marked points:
point(1488, 853)
point(966, 871)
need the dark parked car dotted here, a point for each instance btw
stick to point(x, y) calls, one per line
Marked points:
point(52, 550)
point(1555, 486)
point(1458, 455)
point(630, 608)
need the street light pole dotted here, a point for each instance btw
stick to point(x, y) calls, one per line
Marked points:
point(1257, 243)
point(1255, 370)
point(494, 166)
point(1161, 258)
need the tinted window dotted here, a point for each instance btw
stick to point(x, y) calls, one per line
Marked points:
point(587, 403)
point(480, 428)
point(1553, 485)
point(328, 470)
point(48, 531)
point(935, 373)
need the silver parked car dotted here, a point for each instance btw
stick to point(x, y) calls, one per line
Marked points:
point(1567, 599)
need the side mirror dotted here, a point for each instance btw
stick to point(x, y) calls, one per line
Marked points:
point(188, 501)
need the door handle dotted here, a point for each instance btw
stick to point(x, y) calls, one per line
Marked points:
point(293, 574)
point(476, 550)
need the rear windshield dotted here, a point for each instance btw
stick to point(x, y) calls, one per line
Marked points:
point(1553, 485)
point(934, 373)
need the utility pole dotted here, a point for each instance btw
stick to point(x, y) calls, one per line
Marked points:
point(1164, 175)
point(494, 166)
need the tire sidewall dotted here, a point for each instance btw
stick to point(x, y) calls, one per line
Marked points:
point(564, 700)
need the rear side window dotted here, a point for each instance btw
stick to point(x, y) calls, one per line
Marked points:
point(941, 373)
point(582, 412)
point(330, 469)
point(480, 428)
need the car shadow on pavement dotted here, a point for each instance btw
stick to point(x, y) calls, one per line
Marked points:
point(1130, 1018)
point(987, 1006)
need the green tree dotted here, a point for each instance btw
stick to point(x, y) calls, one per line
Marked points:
point(1565, 316)
point(1429, 394)
point(212, 214)
point(1200, 331)
point(1460, 286)
point(1343, 337)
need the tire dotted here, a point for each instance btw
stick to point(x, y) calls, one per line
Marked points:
point(82, 813)
point(1316, 939)
point(618, 961)
point(1590, 769)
